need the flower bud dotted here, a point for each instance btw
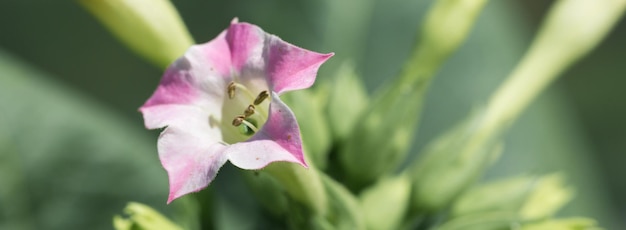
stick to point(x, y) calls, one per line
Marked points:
point(505, 195)
point(382, 137)
point(449, 165)
point(562, 224)
point(349, 99)
point(481, 221)
point(344, 209)
point(142, 217)
point(301, 184)
point(547, 197)
point(579, 24)
point(267, 191)
point(530, 198)
point(385, 203)
point(151, 28)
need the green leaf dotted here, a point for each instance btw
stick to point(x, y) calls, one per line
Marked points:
point(69, 162)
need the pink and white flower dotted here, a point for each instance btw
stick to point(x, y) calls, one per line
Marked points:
point(220, 102)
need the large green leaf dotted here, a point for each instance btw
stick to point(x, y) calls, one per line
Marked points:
point(66, 162)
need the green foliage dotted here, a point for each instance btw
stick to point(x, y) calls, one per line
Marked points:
point(64, 156)
point(385, 203)
point(548, 196)
point(346, 102)
point(449, 165)
point(525, 198)
point(308, 108)
point(157, 33)
point(563, 224)
point(505, 195)
point(142, 217)
point(303, 185)
point(381, 140)
point(344, 210)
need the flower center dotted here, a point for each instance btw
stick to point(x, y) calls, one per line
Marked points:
point(247, 120)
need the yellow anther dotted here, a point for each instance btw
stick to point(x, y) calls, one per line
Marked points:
point(262, 96)
point(249, 111)
point(238, 120)
point(231, 89)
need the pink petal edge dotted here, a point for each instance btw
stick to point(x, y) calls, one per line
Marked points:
point(190, 158)
point(291, 67)
point(288, 67)
point(201, 73)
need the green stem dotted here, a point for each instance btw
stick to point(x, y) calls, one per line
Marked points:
point(572, 29)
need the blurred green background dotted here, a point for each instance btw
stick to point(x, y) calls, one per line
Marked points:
point(73, 149)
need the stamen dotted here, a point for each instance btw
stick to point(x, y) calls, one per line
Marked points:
point(262, 96)
point(249, 111)
point(238, 120)
point(233, 87)
point(231, 90)
point(250, 125)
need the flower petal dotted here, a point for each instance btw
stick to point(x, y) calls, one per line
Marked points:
point(199, 77)
point(285, 66)
point(189, 148)
point(246, 46)
point(290, 67)
point(278, 140)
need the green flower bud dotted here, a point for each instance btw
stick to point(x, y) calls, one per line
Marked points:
point(577, 223)
point(301, 184)
point(151, 28)
point(449, 165)
point(548, 196)
point(381, 138)
point(506, 195)
point(142, 217)
point(530, 198)
point(385, 203)
point(579, 24)
point(446, 26)
point(267, 191)
point(344, 209)
point(481, 221)
point(308, 108)
point(349, 99)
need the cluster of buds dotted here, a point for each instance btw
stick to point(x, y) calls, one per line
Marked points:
point(366, 153)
